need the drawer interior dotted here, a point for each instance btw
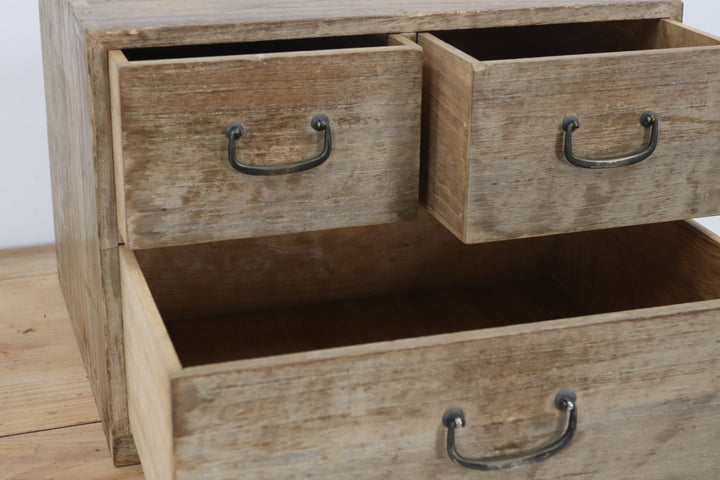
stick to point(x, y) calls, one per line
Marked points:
point(246, 48)
point(267, 296)
point(573, 39)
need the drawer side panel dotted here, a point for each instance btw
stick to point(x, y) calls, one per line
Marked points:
point(115, 59)
point(447, 99)
point(661, 263)
point(149, 360)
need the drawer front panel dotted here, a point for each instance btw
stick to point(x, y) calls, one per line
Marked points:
point(513, 177)
point(647, 385)
point(176, 185)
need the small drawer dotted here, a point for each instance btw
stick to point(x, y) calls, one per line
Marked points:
point(331, 355)
point(495, 101)
point(171, 108)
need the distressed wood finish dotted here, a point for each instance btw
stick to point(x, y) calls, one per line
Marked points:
point(118, 24)
point(353, 321)
point(596, 259)
point(447, 101)
point(179, 186)
point(376, 415)
point(328, 413)
point(519, 182)
point(83, 201)
point(203, 280)
point(150, 360)
point(77, 36)
point(116, 57)
point(675, 33)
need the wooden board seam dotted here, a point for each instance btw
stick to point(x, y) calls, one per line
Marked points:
point(41, 430)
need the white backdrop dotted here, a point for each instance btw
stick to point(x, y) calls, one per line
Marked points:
point(25, 200)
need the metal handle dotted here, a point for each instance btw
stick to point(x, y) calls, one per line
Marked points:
point(234, 131)
point(647, 119)
point(455, 418)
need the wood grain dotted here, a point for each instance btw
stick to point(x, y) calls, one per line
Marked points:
point(77, 35)
point(278, 331)
point(532, 41)
point(543, 278)
point(115, 59)
point(672, 262)
point(150, 359)
point(370, 415)
point(521, 185)
point(27, 262)
point(64, 454)
point(119, 24)
point(124, 452)
point(333, 411)
point(179, 186)
point(447, 102)
point(39, 358)
point(675, 34)
point(223, 278)
point(79, 452)
point(82, 207)
point(49, 423)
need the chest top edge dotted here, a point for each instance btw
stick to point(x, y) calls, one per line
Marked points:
point(138, 23)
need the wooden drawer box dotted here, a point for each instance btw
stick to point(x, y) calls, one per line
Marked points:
point(175, 183)
point(334, 354)
point(495, 101)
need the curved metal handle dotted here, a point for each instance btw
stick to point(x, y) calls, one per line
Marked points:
point(455, 418)
point(234, 131)
point(647, 119)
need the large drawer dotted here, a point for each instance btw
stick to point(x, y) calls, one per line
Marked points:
point(172, 108)
point(495, 102)
point(334, 354)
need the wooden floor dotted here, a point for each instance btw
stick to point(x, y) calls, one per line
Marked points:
point(49, 427)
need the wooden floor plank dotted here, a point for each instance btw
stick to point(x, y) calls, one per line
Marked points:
point(49, 424)
point(72, 453)
point(27, 262)
point(43, 383)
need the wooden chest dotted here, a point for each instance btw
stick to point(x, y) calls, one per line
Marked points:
point(295, 239)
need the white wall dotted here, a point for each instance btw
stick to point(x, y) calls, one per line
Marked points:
point(25, 200)
point(705, 15)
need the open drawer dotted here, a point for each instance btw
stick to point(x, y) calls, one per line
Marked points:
point(334, 354)
point(228, 141)
point(499, 163)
